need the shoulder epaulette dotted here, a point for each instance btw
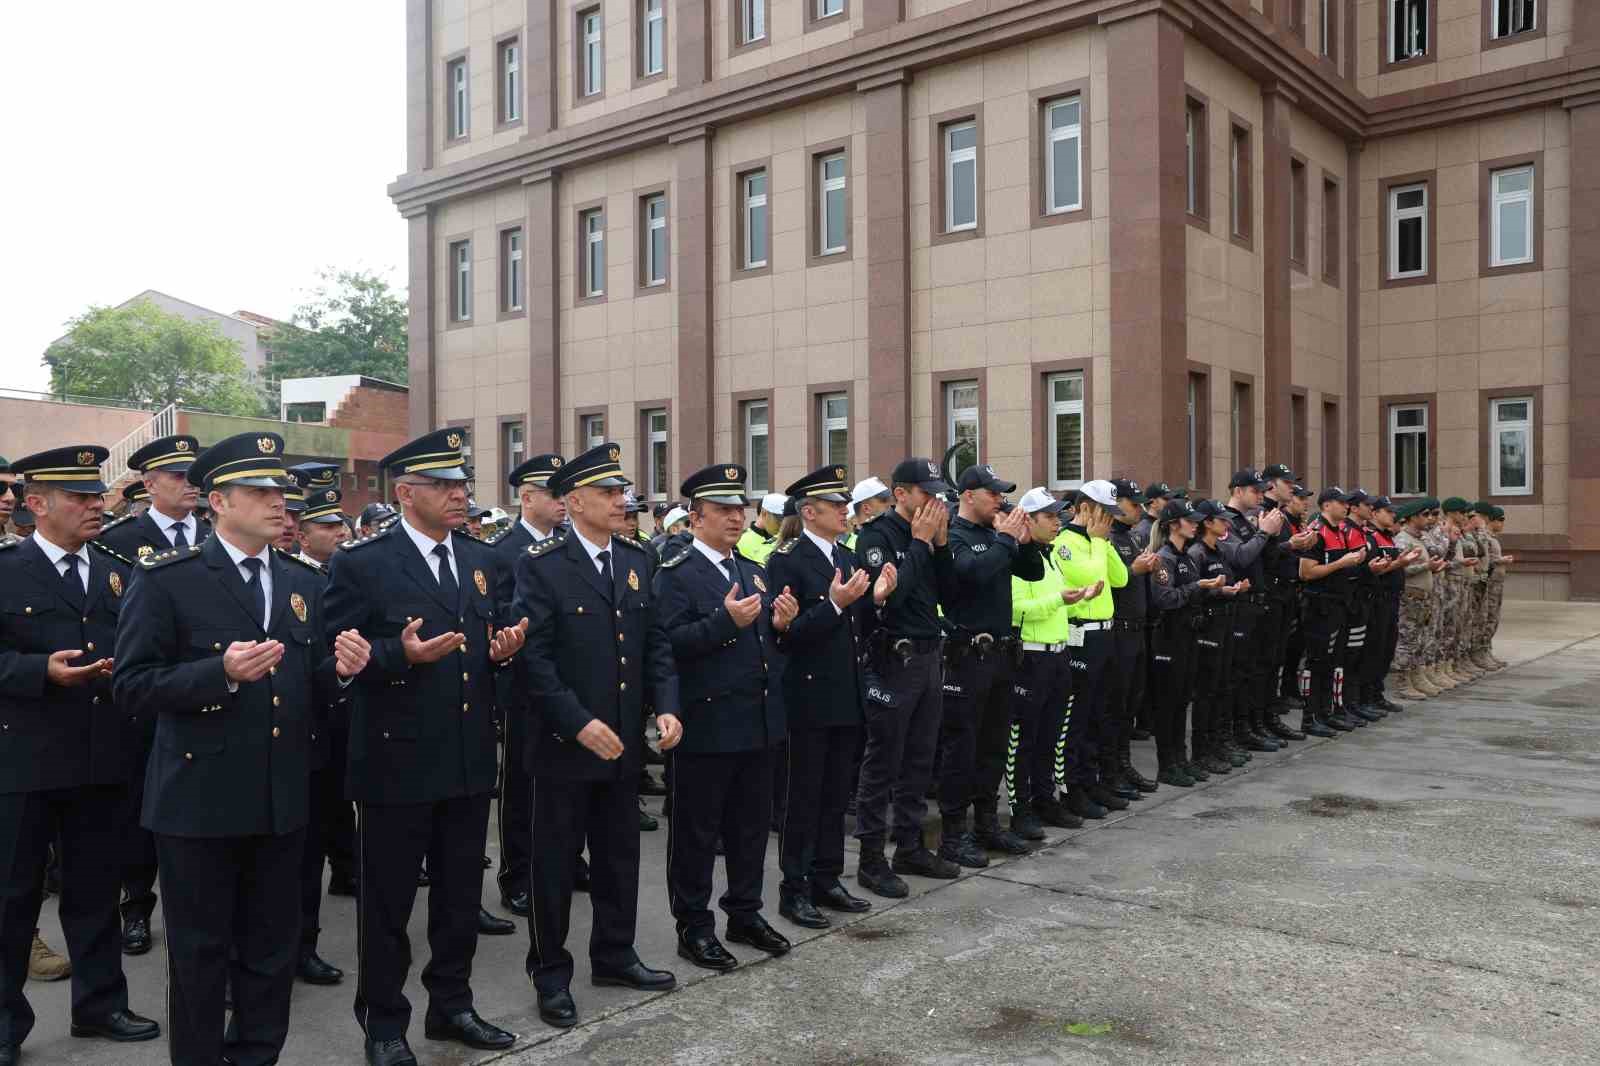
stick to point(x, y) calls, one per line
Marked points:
point(787, 546)
point(627, 541)
point(676, 560)
point(118, 556)
point(469, 536)
point(368, 539)
point(495, 538)
point(291, 557)
point(9, 541)
point(171, 555)
point(544, 546)
point(115, 522)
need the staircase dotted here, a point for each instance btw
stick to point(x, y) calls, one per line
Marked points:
point(163, 424)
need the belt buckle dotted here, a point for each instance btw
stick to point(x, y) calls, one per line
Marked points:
point(983, 643)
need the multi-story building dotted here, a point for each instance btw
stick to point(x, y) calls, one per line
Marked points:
point(1161, 238)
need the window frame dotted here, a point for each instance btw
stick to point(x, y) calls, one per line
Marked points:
point(580, 421)
point(739, 23)
point(1044, 374)
point(1299, 430)
point(1386, 60)
point(509, 461)
point(645, 283)
point(1197, 428)
point(816, 20)
point(455, 133)
point(1386, 188)
point(583, 291)
point(1197, 158)
point(1300, 212)
point(1332, 229)
point(816, 206)
point(1489, 452)
point(642, 74)
point(1490, 40)
point(1331, 437)
point(940, 391)
point(1241, 182)
point(459, 315)
point(824, 424)
point(1242, 430)
point(644, 412)
point(510, 81)
point(1488, 217)
point(741, 404)
point(939, 174)
point(513, 275)
point(1388, 407)
point(1039, 142)
point(739, 220)
point(585, 73)
point(1328, 30)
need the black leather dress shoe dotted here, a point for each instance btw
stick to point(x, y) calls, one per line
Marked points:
point(802, 912)
point(135, 935)
point(517, 904)
point(879, 879)
point(557, 1009)
point(759, 934)
point(394, 1052)
point(920, 861)
point(123, 1026)
point(637, 975)
point(469, 1029)
point(705, 951)
point(315, 970)
point(837, 898)
point(489, 925)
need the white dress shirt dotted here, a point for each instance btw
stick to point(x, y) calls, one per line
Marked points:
point(191, 527)
point(716, 557)
point(425, 544)
point(826, 549)
point(594, 550)
point(533, 531)
point(265, 555)
point(56, 554)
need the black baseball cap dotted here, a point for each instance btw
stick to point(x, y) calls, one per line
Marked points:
point(1356, 496)
point(1276, 471)
point(1204, 509)
point(1247, 478)
point(982, 476)
point(1381, 503)
point(1302, 492)
point(923, 473)
point(1176, 509)
point(1157, 490)
point(1334, 492)
point(1127, 488)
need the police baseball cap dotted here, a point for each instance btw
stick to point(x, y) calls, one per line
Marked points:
point(1277, 471)
point(982, 476)
point(631, 504)
point(1100, 491)
point(1205, 509)
point(1357, 496)
point(1381, 503)
point(870, 489)
point(1334, 492)
point(1302, 491)
point(1127, 488)
point(1176, 509)
point(1246, 478)
point(1157, 490)
point(1039, 501)
point(923, 473)
point(773, 502)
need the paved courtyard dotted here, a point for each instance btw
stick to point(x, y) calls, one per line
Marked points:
point(1426, 890)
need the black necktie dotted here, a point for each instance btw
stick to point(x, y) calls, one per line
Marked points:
point(258, 594)
point(70, 583)
point(604, 559)
point(447, 576)
point(181, 541)
point(729, 569)
point(839, 561)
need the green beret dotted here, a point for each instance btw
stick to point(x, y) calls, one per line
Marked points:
point(1497, 513)
point(1454, 505)
point(1410, 509)
point(1482, 507)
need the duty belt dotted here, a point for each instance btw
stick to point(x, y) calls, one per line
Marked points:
point(1128, 625)
point(1029, 645)
point(1103, 623)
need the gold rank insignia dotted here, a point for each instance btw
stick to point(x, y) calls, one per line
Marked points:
point(266, 445)
point(115, 581)
point(453, 440)
point(297, 604)
point(181, 445)
point(86, 458)
point(145, 549)
point(482, 583)
point(633, 580)
point(762, 585)
point(731, 473)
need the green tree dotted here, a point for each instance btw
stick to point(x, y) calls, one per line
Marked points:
point(141, 353)
point(353, 323)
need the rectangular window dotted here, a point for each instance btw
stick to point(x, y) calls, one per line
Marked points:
point(1239, 206)
point(309, 411)
point(1330, 442)
point(1510, 17)
point(1408, 29)
point(752, 21)
point(1511, 446)
point(1331, 232)
point(461, 281)
point(372, 482)
point(829, 8)
point(757, 444)
point(510, 81)
point(1299, 214)
point(1063, 160)
point(1511, 216)
point(591, 431)
point(1193, 417)
point(511, 273)
point(833, 409)
point(513, 449)
point(1297, 433)
point(960, 176)
point(1408, 231)
point(1408, 449)
point(458, 111)
point(592, 226)
point(1241, 424)
point(1329, 38)
point(961, 421)
point(1196, 159)
point(653, 38)
point(591, 53)
point(753, 219)
point(831, 219)
point(657, 483)
point(1064, 430)
point(653, 227)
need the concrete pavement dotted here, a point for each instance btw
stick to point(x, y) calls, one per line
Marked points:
point(1425, 890)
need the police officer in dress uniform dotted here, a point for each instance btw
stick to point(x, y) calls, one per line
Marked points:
point(171, 521)
point(135, 498)
point(823, 688)
point(422, 743)
point(1128, 675)
point(225, 642)
point(330, 818)
point(723, 618)
point(596, 653)
point(540, 517)
point(66, 751)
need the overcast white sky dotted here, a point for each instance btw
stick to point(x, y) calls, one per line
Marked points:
point(219, 151)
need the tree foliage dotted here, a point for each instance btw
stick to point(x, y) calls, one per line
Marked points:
point(141, 353)
point(353, 323)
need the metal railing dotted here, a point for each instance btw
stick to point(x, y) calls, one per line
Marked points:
point(71, 398)
point(165, 423)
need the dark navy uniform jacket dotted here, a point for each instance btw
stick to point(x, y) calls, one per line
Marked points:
point(822, 681)
point(419, 733)
point(224, 763)
point(54, 737)
point(978, 588)
point(126, 536)
point(727, 680)
point(593, 651)
point(513, 690)
point(913, 607)
point(337, 707)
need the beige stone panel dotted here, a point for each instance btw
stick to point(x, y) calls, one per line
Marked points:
point(1455, 298)
point(1458, 260)
point(1100, 343)
point(1007, 214)
point(1457, 38)
point(1005, 119)
point(1059, 247)
point(1511, 292)
point(959, 348)
point(1458, 185)
point(1059, 292)
point(1244, 268)
point(1205, 255)
point(1009, 255)
point(1207, 297)
point(1008, 436)
point(789, 369)
point(959, 305)
point(1525, 518)
point(1059, 57)
point(1005, 72)
point(956, 263)
point(1414, 304)
point(1007, 343)
point(921, 310)
point(1458, 222)
point(1510, 367)
point(1511, 134)
point(1557, 409)
point(1557, 209)
point(1008, 388)
point(1510, 332)
point(1006, 168)
point(1557, 365)
point(1449, 70)
point(829, 283)
point(827, 324)
point(1515, 55)
point(745, 373)
point(1408, 341)
point(1555, 476)
point(1061, 337)
point(1456, 409)
point(1557, 249)
point(831, 362)
point(921, 353)
point(1458, 371)
point(1008, 299)
point(655, 311)
point(748, 335)
point(1557, 442)
point(1407, 78)
point(789, 327)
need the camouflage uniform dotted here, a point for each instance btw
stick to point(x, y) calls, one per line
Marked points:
point(1439, 547)
point(1493, 597)
point(1463, 622)
point(1416, 610)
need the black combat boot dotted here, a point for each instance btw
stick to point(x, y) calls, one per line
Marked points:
point(1130, 773)
point(991, 836)
point(1080, 803)
point(959, 846)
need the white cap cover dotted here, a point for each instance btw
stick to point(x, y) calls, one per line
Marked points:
point(677, 514)
point(1038, 499)
point(1101, 492)
point(773, 502)
point(868, 489)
